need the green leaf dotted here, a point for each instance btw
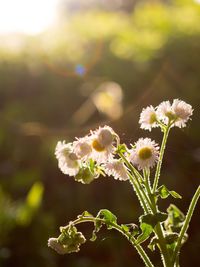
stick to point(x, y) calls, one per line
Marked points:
point(85, 214)
point(175, 219)
point(163, 192)
point(153, 219)
point(108, 216)
point(147, 229)
point(175, 194)
point(147, 224)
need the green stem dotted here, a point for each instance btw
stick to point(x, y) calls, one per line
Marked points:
point(137, 176)
point(186, 223)
point(158, 228)
point(152, 205)
point(139, 194)
point(146, 175)
point(117, 227)
point(162, 149)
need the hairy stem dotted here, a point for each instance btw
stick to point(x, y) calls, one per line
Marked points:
point(158, 228)
point(137, 176)
point(162, 149)
point(186, 223)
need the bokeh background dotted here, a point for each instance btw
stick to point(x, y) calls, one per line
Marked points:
point(99, 63)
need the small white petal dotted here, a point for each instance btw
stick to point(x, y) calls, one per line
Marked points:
point(148, 118)
point(117, 169)
point(82, 147)
point(67, 160)
point(183, 112)
point(102, 142)
point(145, 153)
point(163, 111)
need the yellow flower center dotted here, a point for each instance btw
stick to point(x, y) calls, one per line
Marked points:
point(152, 118)
point(145, 153)
point(171, 116)
point(97, 146)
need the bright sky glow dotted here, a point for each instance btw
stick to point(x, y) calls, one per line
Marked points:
point(26, 16)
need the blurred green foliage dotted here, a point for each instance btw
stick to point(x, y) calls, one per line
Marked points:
point(153, 53)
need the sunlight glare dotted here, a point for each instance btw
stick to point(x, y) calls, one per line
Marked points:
point(26, 16)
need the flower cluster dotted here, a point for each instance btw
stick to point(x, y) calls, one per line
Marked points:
point(175, 114)
point(96, 153)
point(83, 157)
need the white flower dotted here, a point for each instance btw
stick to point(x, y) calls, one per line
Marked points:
point(179, 112)
point(145, 153)
point(102, 144)
point(148, 118)
point(165, 112)
point(117, 169)
point(82, 148)
point(183, 111)
point(67, 159)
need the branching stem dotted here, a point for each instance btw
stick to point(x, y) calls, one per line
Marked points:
point(117, 227)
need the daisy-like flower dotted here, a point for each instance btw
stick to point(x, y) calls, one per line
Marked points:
point(102, 144)
point(144, 154)
point(117, 169)
point(179, 112)
point(67, 159)
point(82, 147)
point(165, 112)
point(183, 111)
point(148, 118)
